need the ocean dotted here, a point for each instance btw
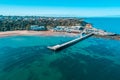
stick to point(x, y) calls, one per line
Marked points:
point(110, 24)
point(27, 57)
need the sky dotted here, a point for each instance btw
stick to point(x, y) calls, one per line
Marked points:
point(79, 8)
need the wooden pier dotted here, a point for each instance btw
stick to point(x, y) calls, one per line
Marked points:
point(61, 46)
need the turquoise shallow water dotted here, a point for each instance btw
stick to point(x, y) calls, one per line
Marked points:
point(27, 58)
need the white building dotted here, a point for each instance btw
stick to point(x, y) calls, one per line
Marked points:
point(37, 28)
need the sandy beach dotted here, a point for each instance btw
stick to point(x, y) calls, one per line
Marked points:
point(49, 33)
point(39, 33)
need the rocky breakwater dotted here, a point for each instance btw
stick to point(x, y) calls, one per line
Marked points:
point(115, 36)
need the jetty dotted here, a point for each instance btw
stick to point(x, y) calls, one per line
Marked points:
point(66, 44)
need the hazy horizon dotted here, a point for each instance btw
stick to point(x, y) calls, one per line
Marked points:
point(60, 8)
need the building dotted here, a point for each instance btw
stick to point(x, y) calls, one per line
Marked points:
point(74, 29)
point(88, 26)
point(59, 28)
point(38, 28)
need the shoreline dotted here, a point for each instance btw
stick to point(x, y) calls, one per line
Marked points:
point(50, 33)
point(38, 33)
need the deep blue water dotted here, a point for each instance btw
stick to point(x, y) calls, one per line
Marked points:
point(27, 58)
point(111, 24)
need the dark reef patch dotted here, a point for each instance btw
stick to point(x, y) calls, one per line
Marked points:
point(22, 56)
point(83, 67)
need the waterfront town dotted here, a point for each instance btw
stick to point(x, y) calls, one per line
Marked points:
point(52, 24)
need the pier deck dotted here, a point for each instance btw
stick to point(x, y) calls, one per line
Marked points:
point(59, 46)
